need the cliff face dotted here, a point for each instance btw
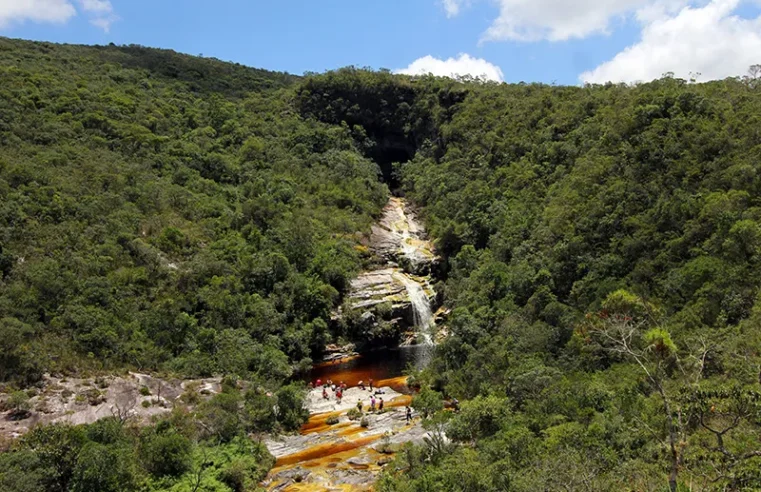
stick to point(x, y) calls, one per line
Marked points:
point(395, 299)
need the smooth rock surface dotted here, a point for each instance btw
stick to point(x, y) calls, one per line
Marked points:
point(345, 455)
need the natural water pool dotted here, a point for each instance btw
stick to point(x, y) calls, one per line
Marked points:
point(386, 367)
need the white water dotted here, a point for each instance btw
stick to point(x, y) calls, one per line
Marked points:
point(421, 307)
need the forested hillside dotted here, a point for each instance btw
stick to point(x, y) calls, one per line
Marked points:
point(603, 249)
point(156, 219)
point(175, 214)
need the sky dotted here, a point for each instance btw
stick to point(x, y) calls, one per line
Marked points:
point(550, 41)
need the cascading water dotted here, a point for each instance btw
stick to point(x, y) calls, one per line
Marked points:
point(421, 307)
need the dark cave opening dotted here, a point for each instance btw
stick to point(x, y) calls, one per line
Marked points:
point(386, 152)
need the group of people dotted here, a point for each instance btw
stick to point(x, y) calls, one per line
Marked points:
point(336, 389)
point(372, 404)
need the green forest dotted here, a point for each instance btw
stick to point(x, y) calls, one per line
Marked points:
point(180, 215)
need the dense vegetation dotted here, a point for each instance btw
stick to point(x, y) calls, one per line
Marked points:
point(207, 449)
point(602, 251)
point(603, 247)
point(167, 213)
point(164, 222)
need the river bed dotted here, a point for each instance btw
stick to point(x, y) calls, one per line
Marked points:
point(331, 451)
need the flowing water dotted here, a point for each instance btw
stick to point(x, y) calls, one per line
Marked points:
point(342, 456)
point(421, 307)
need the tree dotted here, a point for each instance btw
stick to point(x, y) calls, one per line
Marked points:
point(479, 418)
point(291, 409)
point(727, 414)
point(624, 328)
point(57, 448)
point(103, 468)
point(166, 453)
point(18, 403)
point(259, 411)
point(427, 402)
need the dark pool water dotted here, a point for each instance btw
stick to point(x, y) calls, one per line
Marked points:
point(378, 365)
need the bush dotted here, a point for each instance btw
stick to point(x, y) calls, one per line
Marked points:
point(18, 404)
point(354, 414)
point(332, 420)
point(427, 402)
point(364, 422)
point(166, 454)
point(102, 468)
point(291, 411)
point(94, 397)
point(145, 391)
point(241, 474)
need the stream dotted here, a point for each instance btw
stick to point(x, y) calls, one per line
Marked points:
point(332, 452)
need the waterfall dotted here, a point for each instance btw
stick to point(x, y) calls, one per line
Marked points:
point(421, 307)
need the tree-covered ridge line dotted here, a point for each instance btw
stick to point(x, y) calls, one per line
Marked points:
point(201, 74)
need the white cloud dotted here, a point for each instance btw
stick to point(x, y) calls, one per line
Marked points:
point(453, 67)
point(97, 6)
point(452, 7)
point(55, 11)
point(556, 20)
point(560, 20)
point(708, 39)
point(102, 13)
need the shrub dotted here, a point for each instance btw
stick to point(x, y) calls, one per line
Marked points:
point(145, 391)
point(354, 414)
point(94, 397)
point(166, 454)
point(18, 404)
point(332, 420)
point(364, 422)
point(427, 402)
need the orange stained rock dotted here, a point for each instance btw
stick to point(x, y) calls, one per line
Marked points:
point(318, 421)
point(399, 401)
point(313, 487)
point(397, 382)
point(324, 450)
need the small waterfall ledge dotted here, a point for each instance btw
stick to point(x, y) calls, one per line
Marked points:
point(421, 307)
point(399, 290)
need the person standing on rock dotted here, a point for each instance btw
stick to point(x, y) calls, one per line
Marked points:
point(371, 385)
point(380, 405)
point(409, 415)
point(359, 405)
point(372, 403)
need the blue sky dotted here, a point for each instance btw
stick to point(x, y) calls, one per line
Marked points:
point(561, 41)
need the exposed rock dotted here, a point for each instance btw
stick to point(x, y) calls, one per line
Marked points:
point(399, 237)
point(344, 454)
point(335, 352)
point(399, 241)
point(85, 400)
